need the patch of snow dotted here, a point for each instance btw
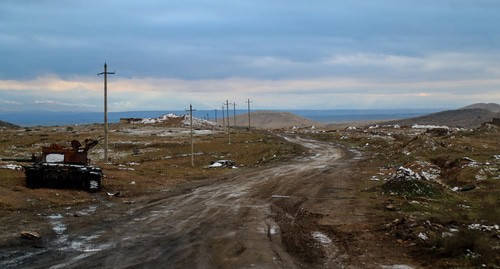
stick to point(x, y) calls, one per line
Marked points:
point(472, 162)
point(483, 227)
point(423, 236)
point(418, 126)
point(429, 176)
point(126, 168)
point(11, 167)
point(446, 234)
point(274, 230)
point(322, 238)
point(404, 173)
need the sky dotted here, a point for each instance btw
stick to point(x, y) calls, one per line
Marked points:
point(334, 54)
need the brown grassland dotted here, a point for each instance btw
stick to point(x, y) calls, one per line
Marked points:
point(449, 220)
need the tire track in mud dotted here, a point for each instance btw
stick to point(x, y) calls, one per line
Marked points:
point(258, 217)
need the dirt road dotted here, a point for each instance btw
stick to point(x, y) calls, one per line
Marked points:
point(299, 214)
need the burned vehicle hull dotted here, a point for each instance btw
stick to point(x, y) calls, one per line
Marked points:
point(86, 177)
point(60, 167)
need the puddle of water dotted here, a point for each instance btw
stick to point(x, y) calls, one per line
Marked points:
point(57, 225)
point(85, 212)
point(82, 243)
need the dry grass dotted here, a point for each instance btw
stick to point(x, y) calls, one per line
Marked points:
point(431, 208)
point(142, 159)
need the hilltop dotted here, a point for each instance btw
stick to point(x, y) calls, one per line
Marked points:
point(471, 116)
point(490, 106)
point(272, 120)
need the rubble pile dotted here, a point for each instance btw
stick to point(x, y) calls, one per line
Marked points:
point(176, 120)
point(409, 183)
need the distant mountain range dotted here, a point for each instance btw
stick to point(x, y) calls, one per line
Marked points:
point(471, 116)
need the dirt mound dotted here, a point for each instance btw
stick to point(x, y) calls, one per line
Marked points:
point(468, 118)
point(272, 120)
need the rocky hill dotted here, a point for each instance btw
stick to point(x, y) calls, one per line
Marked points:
point(272, 120)
point(469, 117)
point(7, 125)
point(491, 107)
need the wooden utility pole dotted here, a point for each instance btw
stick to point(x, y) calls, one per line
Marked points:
point(105, 73)
point(234, 113)
point(223, 119)
point(191, 128)
point(227, 112)
point(248, 102)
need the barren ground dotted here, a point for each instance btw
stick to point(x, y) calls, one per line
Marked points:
point(311, 205)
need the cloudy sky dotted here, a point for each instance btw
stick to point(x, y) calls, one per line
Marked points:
point(333, 54)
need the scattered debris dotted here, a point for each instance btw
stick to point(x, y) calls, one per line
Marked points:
point(322, 238)
point(467, 187)
point(406, 182)
point(405, 174)
point(423, 236)
point(30, 235)
point(222, 163)
point(115, 194)
point(11, 167)
point(481, 227)
point(390, 207)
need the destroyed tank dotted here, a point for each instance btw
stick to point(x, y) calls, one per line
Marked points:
point(60, 167)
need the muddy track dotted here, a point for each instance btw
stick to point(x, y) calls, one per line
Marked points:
point(267, 217)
